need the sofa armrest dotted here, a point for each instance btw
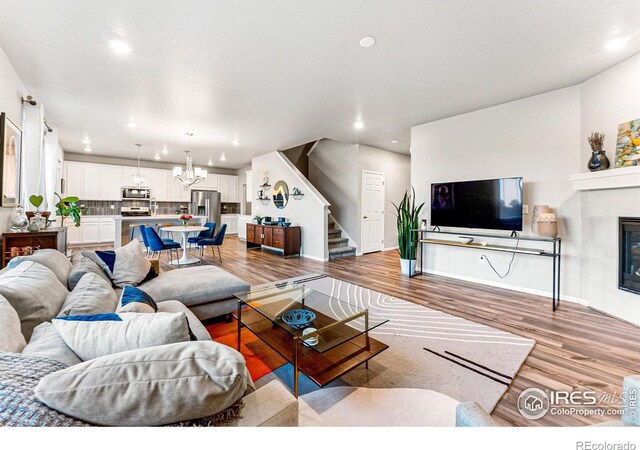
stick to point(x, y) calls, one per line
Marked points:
point(471, 414)
point(155, 263)
point(270, 406)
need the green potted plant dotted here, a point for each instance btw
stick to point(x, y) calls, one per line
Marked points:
point(259, 218)
point(408, 218)
point(68, 207)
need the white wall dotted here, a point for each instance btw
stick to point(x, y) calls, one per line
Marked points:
point(608, 99)
point(310, 213)
point(536, 138)
point(11, 91)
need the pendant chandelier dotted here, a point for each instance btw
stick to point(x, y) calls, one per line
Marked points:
point(138, 179)
point(189, 176)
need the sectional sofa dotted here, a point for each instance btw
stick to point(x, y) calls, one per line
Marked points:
point(46, 286)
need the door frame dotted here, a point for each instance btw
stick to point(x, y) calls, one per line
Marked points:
point(384, 194)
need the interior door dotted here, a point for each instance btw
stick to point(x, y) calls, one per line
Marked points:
point(372, 211)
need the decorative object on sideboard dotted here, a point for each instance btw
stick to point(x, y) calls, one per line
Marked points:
point(598, 160)
point(258, 218)
point(407, 220)
point(423, 224)
point(19, 220)
point(190, 176)
point(10, 163)
point(538, 210)
point(265, 181)
point(628, 144)
point(297, 194)
point(41, 218)
point(280, 194)
point(68, 207)
point(548, 225)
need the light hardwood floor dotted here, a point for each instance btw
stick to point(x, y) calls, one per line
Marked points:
point(577, 348)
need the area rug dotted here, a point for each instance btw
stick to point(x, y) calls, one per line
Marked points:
point(428, 349)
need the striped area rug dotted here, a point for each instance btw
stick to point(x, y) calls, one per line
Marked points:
point(429, 349)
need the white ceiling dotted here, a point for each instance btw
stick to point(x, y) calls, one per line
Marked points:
point(275, 74)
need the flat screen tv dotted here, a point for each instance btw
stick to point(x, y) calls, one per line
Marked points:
point(488, 204)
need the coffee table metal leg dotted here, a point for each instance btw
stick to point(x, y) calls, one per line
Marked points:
point(366, 333)
point(239, 322)
point(295, 366)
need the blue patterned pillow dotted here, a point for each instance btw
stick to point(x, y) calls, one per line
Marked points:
point(113, 317)
point(132, 294)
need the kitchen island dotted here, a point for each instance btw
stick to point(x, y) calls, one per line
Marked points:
point(123, 224)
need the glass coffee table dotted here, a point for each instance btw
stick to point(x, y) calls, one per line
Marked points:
point(340, 343)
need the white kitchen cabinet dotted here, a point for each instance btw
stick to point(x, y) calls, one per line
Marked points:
point(158, 180)
point(228, 187)
point(90, 230)
point(233, 188)
point(74, 179)
point(232, 223)
point(74, 234)
point(242, 226)
point(223, 187)
point(212, 182)
point(176, 191)
point(128, 173)
point(91, 182)
point(107, 230)
point(111, 180)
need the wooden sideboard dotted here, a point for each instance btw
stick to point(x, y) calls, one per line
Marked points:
point(287, 239)
point(25, 242)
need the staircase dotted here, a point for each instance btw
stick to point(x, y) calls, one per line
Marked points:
point(338, 245)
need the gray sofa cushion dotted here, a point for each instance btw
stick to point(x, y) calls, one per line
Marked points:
point(82, 267)
point(34, 292)
point(89, 339)
point(46, 342)
point(194, 285)
point(52, 259)
point(92, 295)
point(127, 265)
point(153, 386)
point(11, 338)
point(196, 326)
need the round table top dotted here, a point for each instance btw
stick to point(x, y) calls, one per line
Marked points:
point(181, 229)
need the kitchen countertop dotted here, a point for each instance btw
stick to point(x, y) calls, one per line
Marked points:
point(156, 217)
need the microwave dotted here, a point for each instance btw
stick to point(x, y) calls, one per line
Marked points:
point(136, 193)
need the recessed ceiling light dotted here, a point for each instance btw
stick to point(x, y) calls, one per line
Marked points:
point(157, 156)
point(394, 141)
point(222, 157)
point(235, 142)
point(164, 149)
point(86, 141)
point(88, 149)
point(358, 125)
point(210, 163)
point(119, 47)
point(367, 42)
point(617, 42)
point(132, 124)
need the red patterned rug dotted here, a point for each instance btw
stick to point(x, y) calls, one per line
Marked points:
point(260, 358)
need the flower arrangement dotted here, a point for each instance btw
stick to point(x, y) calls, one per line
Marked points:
point(185, 218)
point(596, 140)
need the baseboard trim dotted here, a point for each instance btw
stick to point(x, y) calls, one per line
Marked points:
point(315, 258)
point(388, 249)
point(509, 287)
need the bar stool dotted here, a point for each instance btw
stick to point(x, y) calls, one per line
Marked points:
point(133, 228)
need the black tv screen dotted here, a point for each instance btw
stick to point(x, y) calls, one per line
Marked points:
point(489, 204)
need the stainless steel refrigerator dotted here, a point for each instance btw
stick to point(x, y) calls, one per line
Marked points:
point(206, 203)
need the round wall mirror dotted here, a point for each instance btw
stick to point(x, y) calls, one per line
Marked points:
point(280, 194)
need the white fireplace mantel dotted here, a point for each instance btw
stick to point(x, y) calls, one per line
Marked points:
point(623, 177)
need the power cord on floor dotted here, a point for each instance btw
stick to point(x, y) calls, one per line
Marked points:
point(513, 256)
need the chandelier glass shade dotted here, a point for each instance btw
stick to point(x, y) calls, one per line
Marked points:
point(189, 176)
point(139, 179)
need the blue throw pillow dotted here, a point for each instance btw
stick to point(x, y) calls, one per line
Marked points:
point(113, 317)
point(132, 294)
point(108, 257)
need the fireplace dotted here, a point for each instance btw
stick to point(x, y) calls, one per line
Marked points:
point(629, 249)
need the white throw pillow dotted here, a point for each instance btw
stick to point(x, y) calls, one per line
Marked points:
point(11, 338)
point(134, 300)
point(149, 387)
point(35, 293)
point(125, 265)
point(92, 339)
point(92, 295)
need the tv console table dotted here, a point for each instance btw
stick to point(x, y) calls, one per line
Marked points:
point(555, 253)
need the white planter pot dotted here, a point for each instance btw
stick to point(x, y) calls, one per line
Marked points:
point(408, 266)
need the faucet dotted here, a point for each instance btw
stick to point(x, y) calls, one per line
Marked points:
point(154, 206)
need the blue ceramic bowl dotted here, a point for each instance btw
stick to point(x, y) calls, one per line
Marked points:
point(298, 318)
point(286, 224)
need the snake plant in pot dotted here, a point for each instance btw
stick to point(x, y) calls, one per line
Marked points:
point(408, 218)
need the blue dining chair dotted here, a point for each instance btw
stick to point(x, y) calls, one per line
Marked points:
point(204, 234)
point(214, 242)
point(145, 239)
point(157, 245)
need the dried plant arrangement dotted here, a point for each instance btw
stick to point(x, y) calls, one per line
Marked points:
point(596, 140)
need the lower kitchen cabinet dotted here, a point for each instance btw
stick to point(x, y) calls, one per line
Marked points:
point(232, 223)
point(92, 230)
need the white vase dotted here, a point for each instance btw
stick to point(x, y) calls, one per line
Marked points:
point(537, 211)
point(548, 225)
point(408, 266)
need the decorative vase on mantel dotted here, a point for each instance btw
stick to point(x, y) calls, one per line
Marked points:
point(598, 160)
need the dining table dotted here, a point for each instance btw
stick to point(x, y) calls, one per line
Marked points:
point(185, 259)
